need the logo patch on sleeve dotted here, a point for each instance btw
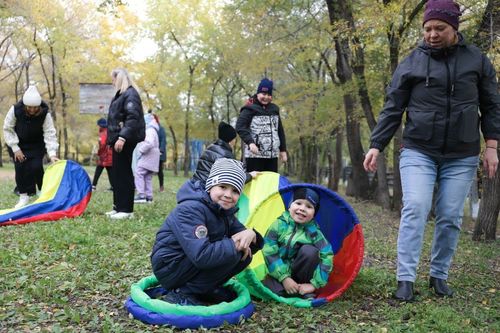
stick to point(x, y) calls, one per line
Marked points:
point(201, 231)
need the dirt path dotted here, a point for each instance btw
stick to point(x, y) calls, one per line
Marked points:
point(7, 174)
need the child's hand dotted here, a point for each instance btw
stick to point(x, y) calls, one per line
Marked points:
point(290, 285)
point(253, 148)
point(246, 253)
point(243, 239)
point(254, 174)
point(306, 288)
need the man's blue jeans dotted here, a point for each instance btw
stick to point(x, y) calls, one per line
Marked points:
point(419, 174)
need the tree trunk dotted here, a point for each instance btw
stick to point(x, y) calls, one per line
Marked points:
point(489, 209)
point(175, 152)
point(187, 156)
point(340, 11)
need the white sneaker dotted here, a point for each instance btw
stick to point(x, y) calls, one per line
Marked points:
point(121, 216)
point(111, 212)
point(24, 199)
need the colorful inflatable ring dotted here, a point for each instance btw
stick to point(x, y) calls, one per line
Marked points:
point(339, 224)
point(149, 310)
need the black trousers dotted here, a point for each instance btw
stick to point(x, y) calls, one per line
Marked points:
point(123, 179)
point(193, 281)
point(98, 172)
point(262, 164)
point(29, 174)
point(160, 173)
point(303, 268)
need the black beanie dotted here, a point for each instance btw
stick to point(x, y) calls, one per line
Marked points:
point(226, 132)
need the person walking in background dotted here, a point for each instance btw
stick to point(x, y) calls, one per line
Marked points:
point(259, 126)
point(104, 155)
point(440, 86)
point(162, 138)
point(126, 129)
point(148, 157)
point(29, 133)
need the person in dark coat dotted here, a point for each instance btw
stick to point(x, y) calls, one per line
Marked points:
point(259, 126)
point(202, 244)
point(104, 155)
point(221, 148)
point(126, 128)
point(441, 86)
point(29, 133)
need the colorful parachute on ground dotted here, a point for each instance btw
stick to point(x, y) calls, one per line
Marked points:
point(65, 192)
point(337, 221)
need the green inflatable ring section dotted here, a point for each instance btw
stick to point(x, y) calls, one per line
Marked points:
point(249, 279)
point(155, 305)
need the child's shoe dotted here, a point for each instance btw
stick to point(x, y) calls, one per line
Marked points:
point(140, 199)
point(308, 296)
point(149, 200)
point(111, 212)
point(175, 296)
point(94, 188)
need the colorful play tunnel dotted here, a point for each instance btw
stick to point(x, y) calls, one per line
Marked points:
point(337, 221)
point(66, 192)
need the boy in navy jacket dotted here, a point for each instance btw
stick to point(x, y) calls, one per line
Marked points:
point(201, 244)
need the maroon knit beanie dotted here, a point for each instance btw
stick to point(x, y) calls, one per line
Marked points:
point(444, 10)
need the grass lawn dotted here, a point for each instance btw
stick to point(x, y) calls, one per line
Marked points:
point(74, 275)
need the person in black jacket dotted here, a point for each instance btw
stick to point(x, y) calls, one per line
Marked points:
point(222, 148)
point(126, 128)
point(29, 133)
point(202, 244)
point(440, 85)
point(259, 126)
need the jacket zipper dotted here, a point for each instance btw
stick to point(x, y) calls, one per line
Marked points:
point(448, 105)
point(272, 136)
point(290, 240)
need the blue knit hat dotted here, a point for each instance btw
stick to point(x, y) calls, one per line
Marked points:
point(226, 171)
point(265, 86)
point(308, 194)
point(102, 123)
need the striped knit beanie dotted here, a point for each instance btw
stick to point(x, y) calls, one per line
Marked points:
point(226, 171)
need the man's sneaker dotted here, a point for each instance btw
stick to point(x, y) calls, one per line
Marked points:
point(121, 216)
point(24, 199)
point(111, 212)
point(175, 296)
point(140, 199)
point(94, 188)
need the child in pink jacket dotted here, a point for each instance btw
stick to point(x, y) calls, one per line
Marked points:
point(148, 161)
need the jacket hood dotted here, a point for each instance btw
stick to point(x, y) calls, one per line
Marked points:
point(195, 190)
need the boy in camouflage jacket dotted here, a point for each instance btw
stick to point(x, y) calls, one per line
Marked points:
point(298, 256)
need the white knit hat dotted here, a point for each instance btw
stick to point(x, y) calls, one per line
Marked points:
point(226, 171)
point(31, 97)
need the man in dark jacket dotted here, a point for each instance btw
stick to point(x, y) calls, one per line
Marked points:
point(201, 244)
point(440, 86)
